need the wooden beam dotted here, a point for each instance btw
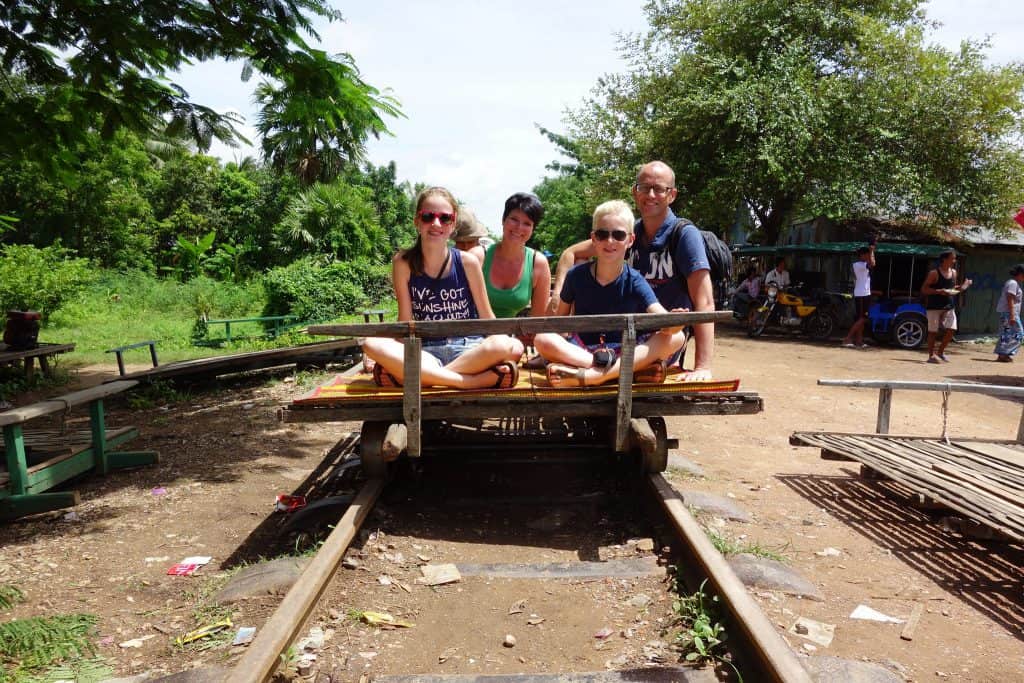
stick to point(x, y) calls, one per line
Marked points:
point(643, 322)
point(412, 409)
point(56, 405)
point(624, 397)
point(986, 389)
point(262, 657)
point(915, 617)
point(884, 408)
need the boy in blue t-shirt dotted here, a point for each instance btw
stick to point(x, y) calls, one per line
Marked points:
point(607, 285)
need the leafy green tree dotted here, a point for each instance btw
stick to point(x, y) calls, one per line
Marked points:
point(335, 219)
point(567, 212)
point(392, 200)
point(318, 116)
point(102, 64)
point(790, 106)
point(99, 208)
point(40, 279)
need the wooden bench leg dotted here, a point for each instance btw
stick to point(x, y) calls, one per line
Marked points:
point(99, 436)
point(30, 369)
point(44, 366)
point(152, 354)
point(120, 362)
point(34, 503)
point(14, 449)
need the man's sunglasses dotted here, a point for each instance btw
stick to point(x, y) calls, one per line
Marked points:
point(617, 235)
point(429, 216)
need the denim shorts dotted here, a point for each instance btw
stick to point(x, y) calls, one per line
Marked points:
point(447, 349)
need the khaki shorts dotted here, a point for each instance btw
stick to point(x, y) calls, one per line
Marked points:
point(946, 319)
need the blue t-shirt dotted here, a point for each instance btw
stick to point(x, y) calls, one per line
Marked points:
point(628, 293)
point(655, 262)
point(443, 298)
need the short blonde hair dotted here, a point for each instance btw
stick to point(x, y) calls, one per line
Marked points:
point(615, 208)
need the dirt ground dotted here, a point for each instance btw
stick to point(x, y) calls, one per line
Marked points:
point(224, 458)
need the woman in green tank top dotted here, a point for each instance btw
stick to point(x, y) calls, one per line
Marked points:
point(517, 276)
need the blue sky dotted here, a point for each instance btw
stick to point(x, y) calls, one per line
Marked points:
point(474, 78)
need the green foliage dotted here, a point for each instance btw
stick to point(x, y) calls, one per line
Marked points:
point(40, 279)
point(95, 670)
point(392, 200)
point(10, 595)
point(781, 106)
point(567, 212)
point(729, 546)
point(319, 117)
point(155, 393)
point(703, 636)
point(118, 53)
point(335, 219)
point(316, 292)
point(36, 642)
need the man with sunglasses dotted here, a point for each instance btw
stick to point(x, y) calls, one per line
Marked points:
point(669, 253)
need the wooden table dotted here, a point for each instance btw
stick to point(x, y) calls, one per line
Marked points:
point(28, 357)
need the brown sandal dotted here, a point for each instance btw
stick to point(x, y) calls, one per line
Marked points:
point(383, 378)
point(559, 371)
point(508, 375)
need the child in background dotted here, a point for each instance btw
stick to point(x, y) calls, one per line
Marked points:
point(607, 285)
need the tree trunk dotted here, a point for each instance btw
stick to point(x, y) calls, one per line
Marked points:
point(776, 221)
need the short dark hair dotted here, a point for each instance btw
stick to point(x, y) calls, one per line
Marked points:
point(1017, 270)
point(780, 259)
point(863, 250)
point(946, 253)
point(526, 202)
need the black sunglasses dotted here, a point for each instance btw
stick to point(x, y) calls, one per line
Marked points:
point(429, 216)
point(618, 235)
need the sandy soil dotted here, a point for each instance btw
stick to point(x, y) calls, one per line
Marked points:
point(224, 457)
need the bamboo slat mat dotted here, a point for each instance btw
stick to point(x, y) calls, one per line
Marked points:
point(983, 480)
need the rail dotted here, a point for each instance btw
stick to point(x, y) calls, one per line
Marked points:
point(281, 323)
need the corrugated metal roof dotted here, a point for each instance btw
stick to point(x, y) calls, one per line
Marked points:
point(883, 248)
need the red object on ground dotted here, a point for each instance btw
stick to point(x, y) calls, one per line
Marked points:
point(286, 503)
point(1020, 217)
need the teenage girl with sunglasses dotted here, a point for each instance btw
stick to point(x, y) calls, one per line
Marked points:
point(433, 281)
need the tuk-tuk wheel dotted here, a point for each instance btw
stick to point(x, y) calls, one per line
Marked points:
point(371, 442)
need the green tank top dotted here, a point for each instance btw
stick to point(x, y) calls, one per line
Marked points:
point(506, 303)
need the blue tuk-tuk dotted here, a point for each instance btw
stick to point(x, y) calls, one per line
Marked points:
point(896, 316)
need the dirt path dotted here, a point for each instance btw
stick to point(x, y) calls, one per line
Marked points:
point(224, 457)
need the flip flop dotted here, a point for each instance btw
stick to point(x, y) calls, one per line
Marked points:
point(559, 371)
point(604, 358)
point(652, 374)
point(508, 375)
point(383, 378)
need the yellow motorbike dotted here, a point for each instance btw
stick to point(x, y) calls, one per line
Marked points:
point(792, 311)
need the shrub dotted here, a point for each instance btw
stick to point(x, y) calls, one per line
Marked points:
point(40, 279)
point(317, 292)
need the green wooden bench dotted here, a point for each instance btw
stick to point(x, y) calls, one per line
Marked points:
point(119, 351)
point(280, 323)
point(39, 460)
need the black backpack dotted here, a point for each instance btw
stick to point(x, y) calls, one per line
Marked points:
point(719, 259)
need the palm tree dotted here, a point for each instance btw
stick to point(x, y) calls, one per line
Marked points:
point(319, 116)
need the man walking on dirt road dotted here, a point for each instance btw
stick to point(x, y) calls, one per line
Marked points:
point(675, 265)
point(861, 296)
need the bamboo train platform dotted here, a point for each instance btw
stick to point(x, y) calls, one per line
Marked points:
point(982, 479)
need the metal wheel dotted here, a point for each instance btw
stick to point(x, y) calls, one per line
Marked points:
point(371, 440)
point(909, 331)
point(820, 325)
point(657, 461)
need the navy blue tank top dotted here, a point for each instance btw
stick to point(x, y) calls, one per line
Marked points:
point(443, 298)
point(941, 302)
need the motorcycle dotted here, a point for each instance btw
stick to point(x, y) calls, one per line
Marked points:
point(814, 316)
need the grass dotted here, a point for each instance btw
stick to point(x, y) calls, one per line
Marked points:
point(10, 596)
point(125, 308)
point(703, 636)
point(30, 645)
point(730, 546)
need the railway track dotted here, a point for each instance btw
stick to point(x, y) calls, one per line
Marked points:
point(553, 578)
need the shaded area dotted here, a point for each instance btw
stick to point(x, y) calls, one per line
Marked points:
point(986, 576)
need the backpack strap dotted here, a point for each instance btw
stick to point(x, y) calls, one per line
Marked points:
point(673, 244)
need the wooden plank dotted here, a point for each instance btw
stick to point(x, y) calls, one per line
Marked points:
point(41, 350)
point(412, 391)
point(261, 658)
point(1013, 456)
point(884, 408)
point(56, 405)
point(643, 322)
point(986, 389)
point(624, 396)
point(915, 617)
point(14, 450)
